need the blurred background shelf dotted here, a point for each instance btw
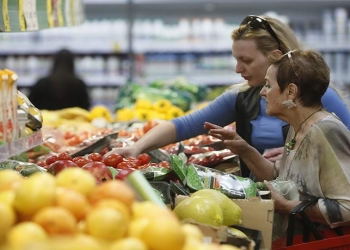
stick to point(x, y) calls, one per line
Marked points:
point(148, 40)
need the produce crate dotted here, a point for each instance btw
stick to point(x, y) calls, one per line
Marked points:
point(257, 214)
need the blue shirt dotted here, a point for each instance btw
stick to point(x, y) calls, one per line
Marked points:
point(266, 130)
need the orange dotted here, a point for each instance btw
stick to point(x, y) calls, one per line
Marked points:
point(10, 179)
point(7, 218)
point(77, 179)
point(34, 193)
point(162, 233)
point(73, 201)
point(128, 244)
point(106, 223)
point(113, 189)
point(56, 220)
point(25, 233)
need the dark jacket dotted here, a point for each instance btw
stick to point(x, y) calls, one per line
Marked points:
point(247, 109)
point(44, 96)
point(61, 88)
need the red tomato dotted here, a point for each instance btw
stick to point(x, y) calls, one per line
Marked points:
point(144, 158)
point(123, 165)
point(95, 157)
point(41, 163)
point(65, 156)
point(113, 160)
point(51, 159)
point(81, 160)
point(74, 140)
point(164, 164)
point(149, 125)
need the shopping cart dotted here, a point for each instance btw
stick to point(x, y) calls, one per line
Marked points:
point(312, 239)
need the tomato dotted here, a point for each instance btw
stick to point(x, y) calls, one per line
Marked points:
point(164, 164)
point(104, 151)
point(95, 157)
point(81, 160)
point(144, 158)
point(41, 163)
point(65, 156)
point(74, 140)
point(149, 125)
point(123, 165)
point(51, 159)
point(113, 160)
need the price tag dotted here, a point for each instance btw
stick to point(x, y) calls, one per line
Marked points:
point(49, 13)
point(5, 15)
point(30, 14)
point(22, 24)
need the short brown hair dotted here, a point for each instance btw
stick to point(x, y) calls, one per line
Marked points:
point(308, 70)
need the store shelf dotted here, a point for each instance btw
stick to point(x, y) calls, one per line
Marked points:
point(91, 81)
point(20, 145)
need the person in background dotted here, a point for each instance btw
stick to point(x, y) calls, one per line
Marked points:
point(317, 153)
point(62, 88)
point(254, 40)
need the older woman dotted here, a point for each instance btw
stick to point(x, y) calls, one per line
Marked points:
point(253, 41)
point(317, 151)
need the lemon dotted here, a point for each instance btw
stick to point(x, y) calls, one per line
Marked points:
point(128, 244)
point(163, 233)
point(192, 232)
point(7, 218)
point(34, 193)
point(7, 197)
point(25, 233)
point(9, 179)
point(200, 209)
point(115, 204)
point(232, 213)
point(106, 223)
point(77, 179)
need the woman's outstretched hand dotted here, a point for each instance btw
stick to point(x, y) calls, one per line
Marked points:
point(229, 138)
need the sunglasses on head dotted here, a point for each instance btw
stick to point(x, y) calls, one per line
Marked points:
point(257, 22)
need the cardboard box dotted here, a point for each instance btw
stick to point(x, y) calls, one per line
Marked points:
point(221, 235)
point(257, 214)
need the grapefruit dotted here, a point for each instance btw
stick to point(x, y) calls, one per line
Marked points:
point(232, 213)
point(200, 209)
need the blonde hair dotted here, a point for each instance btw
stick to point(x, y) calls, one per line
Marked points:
point(264, 41)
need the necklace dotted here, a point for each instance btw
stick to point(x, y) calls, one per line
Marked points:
point(290, 145)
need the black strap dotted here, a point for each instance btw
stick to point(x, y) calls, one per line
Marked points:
point(308, 224)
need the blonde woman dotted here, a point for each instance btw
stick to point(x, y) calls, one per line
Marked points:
point(253, 41)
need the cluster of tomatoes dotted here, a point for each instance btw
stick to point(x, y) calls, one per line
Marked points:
point(142, 161)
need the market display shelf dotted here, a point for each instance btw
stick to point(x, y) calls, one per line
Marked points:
point(20, 145)
point(21, 16)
